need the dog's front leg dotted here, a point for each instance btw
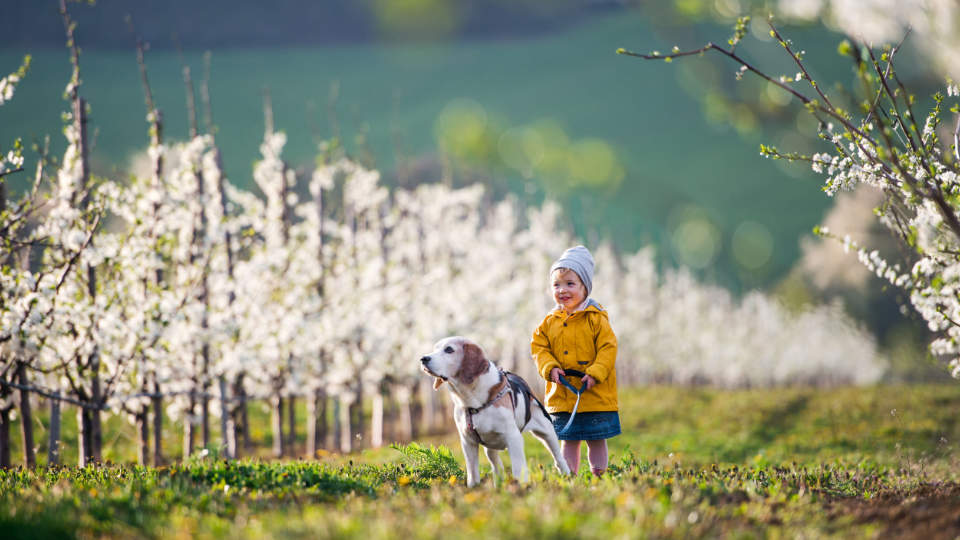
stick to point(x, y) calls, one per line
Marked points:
point(471, 454)
point(518, 462)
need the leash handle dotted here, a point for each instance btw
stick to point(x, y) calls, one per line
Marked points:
point(573, 373)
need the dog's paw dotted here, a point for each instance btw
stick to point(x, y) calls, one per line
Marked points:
point(518, 487)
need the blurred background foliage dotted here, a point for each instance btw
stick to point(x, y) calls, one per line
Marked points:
point(526, 96)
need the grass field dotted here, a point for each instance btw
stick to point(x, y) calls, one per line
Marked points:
point(850, 462)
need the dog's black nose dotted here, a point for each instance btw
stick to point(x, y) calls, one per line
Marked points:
point(425, 359)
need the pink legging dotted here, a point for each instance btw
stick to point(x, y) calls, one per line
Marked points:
point(596, 454)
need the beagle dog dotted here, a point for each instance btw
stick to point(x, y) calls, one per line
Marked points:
point(492, 408)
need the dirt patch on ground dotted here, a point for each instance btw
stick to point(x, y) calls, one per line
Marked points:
point(929, 512)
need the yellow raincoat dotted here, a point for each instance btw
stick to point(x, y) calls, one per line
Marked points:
point(583, 341)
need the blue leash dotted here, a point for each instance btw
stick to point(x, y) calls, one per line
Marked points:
point(565, 382)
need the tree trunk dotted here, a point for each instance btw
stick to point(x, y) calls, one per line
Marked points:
point(416, 412)
point(356, 416)
point(26, 418)
point(5, 438)
point(334, 438)
point(292, 425)
point(323, 426)
point(96, 435)
point(53, 448)
point(428, 407)
point(443, 412)
point(356, 425)
point(143, 436)
point(205, 419)
point(84, 438)
point(227, 431)
point(157, 425)
point(245, 429)
point(376, 421)
point(343, 421)
point(389, 418)
point(276, 422)
point(205, 397)
point(405, 421)
point(85, 419)
point(188, 427)
point(142, 421)
point(96, 425)
point(240, 415)
point(313, 405)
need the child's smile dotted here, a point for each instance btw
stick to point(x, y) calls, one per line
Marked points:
point(568, 290)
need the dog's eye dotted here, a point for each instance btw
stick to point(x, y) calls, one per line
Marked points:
point(448, 350)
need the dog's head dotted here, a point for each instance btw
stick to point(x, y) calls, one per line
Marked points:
point(455, 358)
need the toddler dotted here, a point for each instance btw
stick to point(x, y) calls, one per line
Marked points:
point(577, 336)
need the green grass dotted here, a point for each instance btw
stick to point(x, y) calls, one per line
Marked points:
point(887, 424)
point(691, 463)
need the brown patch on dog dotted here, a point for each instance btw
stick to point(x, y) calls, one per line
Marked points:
point(502, 402)
point(505, 401)
point(473, 364)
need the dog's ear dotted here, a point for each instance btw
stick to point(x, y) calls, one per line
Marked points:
point(472, 364)
point(437, 381)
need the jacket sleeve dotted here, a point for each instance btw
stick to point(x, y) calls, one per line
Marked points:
point(542, 355)
point(606, 343)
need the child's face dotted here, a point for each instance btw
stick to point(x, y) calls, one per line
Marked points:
point(568, 290)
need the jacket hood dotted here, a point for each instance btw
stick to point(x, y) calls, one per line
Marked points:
point(591, 303)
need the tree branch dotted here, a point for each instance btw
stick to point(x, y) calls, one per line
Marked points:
point(11, 171)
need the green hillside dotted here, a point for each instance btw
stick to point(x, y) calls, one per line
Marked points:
point(662, 159)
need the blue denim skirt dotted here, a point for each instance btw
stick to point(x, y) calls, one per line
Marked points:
point(587, 426)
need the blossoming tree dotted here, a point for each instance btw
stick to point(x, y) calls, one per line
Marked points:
point(876, 139)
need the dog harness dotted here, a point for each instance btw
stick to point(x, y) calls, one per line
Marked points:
point(521, 388)
point(501, 389)
point(518, 387)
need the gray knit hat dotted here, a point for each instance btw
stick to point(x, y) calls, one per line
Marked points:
point(580, 261)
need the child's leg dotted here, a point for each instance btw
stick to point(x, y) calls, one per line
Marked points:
point(571, 453)
point(597, 454)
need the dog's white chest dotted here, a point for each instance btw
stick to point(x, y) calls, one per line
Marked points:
point(486, 427)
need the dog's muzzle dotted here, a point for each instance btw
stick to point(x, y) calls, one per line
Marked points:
point(438, 379)
point(426, 369)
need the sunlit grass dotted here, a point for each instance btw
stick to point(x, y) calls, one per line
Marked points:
point(691, 463)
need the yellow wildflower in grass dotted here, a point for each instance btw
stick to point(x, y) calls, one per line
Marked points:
point(479, 518)
point(403, 480)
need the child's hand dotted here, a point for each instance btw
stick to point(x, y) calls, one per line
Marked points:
point(589, 381)
point(555, 375)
